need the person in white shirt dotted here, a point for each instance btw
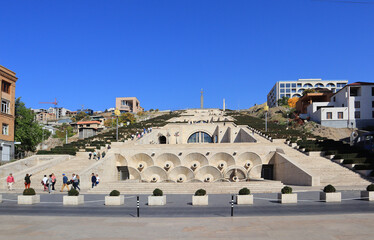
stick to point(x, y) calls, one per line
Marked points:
point(45, 181)
point(97, 179)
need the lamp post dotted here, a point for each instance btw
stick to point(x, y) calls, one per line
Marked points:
point(117, 113)
point(266, 108)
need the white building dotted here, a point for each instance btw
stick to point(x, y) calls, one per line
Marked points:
point(296, 88)
point(60, 112)
point(352, 106)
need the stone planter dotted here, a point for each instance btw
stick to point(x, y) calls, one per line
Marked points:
point(367, 195)
point(200, 200)
point(293, 145)
point(350, 166)
point(156, 200)
point(73, 200)
point(287, 198)
point(244, 199)
point(114, 200)
point(330, 197)
point(28, 199)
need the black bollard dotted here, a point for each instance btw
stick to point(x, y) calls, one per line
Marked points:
point(232, 205)
point(137, 206)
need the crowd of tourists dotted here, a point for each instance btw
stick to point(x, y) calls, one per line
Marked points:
point(139, 135)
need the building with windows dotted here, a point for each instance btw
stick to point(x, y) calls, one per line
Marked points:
point(8, 81)
point(296, 88)
point(352, 107)
point(128, 104)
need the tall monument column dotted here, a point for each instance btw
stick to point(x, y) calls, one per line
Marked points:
point(224, 105)
point(202, 99)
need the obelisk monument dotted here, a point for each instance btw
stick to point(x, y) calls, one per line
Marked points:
point(202, 99)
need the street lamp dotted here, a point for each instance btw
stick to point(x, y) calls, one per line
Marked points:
point(266, 108)
point(117, 113)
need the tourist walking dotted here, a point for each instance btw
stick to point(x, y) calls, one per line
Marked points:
point(50, 184)
point(94, 155)
point(103, 154)
point(89, 155)
point(44, 182)
point(97, 179)
point(73, 182)
point(53, 181)
point(64, 182)
point(98, 155)
point(27, 181)
point(10, 181)
point(77, 182)
point(93, 180)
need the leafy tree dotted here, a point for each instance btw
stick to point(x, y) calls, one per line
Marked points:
point(127, 117)
point(310, 90)
point(110, 122)
point(61, 131)
point(292, 102)
point(151, 110)
point(80, 116)
point(283, 101)
point(26, 129)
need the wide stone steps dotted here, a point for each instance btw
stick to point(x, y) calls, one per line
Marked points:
point(188, 188)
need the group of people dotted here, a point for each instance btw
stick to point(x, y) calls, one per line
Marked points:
point(74, 182)
point(49, 181)
point(95, 179)
point(96, 155)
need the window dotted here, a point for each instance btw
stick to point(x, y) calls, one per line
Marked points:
point(355, 91)
point(287, 85)
point(287, 90)
point(281, 85)
point(5, 86)
point(299, 85)
point(282, 90)
point(319, 85)
point(340, 115)
point(293, 90)
point(334, 99)
point(288, 95)
point(357, 114)
point(372, 91)
point(372, 114)
point(282, 95)
point(340, 85)
point(342, 104)
point(357, 104)
point(5, 106)
point(5, 129)
point(293, 85)
point(329, 115)
point(200, 137)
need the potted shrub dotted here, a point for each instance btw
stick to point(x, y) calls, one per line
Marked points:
point(369, 193)
point(157, 199)
point(200, 198)
point(73, 198)
point(114, 199)
point(329, 194)
point(28, 197)
point(244, 197)
point(286, 195)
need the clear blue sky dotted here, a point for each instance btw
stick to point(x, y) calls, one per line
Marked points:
point(164, 52)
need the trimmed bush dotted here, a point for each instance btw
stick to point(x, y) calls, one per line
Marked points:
point(329, 189)
point(29, 192)
point(370, 188)
point(200, 192)
point(286, 190)
point(157, 192)
point(73, 192)
point(244, 191)
point(114, 193)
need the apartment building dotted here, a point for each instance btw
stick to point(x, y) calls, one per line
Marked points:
point(8, 81)
point(296, 88)
point(352, 107)
point(128, 104)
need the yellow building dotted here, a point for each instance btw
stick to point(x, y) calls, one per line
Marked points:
point(7, 115)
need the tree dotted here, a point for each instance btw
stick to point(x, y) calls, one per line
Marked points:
point(110, 123)
point(292, 102)
point(127, 117)
point(310, 90)
point(80, 116)
point(283, 101)
point(26, 129)
point(61, 131)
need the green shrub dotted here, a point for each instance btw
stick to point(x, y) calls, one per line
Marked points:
point(157, 192)
point(244, 191)
point(29, 191)
point(200, 192)
point(329, 189)
point(370, 188)
point(73, 192)
point(114, 193)
point(286, 190)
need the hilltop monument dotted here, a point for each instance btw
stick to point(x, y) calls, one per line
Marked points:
point(202, 99)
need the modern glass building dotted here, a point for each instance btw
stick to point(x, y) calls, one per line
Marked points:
point(296, 88)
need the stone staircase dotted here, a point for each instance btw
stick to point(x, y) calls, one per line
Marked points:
point(74, 165)
point(329, 171)
point(129, 187)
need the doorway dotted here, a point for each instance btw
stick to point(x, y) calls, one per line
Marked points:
point(162, 139)
point(267, 172)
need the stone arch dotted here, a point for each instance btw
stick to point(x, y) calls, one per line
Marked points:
point(154, 174)
point(162, 139)
point(222, 160)
point(248, 160)
point(167, 161)
point(208, 174)
point(195, 161)
point(120, 160)
point(134, 174)
point(181, 174)
point(255, 172)
point(203, 135)
point(141, 161)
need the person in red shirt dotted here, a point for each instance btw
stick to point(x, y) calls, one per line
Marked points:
point(10, 181)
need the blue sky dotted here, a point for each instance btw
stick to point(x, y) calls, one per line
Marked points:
point(163, 52)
